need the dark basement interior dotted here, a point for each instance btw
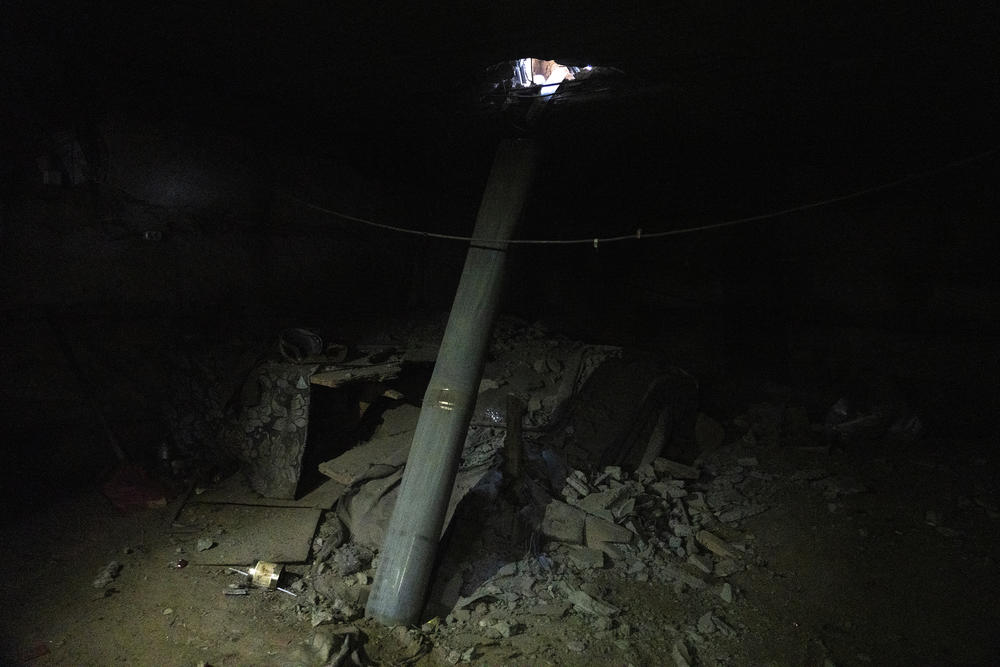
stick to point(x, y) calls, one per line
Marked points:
point(673, 328)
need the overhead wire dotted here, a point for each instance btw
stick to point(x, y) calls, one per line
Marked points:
point(640, 234)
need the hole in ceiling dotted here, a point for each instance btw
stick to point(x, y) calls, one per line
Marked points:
point(545, 74)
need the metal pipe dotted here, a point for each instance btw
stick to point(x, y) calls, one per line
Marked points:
point(410, 545)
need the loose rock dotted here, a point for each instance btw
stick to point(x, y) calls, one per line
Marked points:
point(352, 558)
point(108, 574)
point(726, 567)
point(680, 654)
point(705, 624)
point(716, 545)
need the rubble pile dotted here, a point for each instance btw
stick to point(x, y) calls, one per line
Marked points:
point(666, 522)
point(585, 532)
point(336, 586)
point(559, 540)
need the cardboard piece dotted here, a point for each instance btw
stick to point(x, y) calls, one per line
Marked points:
point(367, 513)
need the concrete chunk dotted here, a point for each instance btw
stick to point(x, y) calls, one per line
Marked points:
point(706, 625)
point(598, 503)
point(578, 485)
point(726, 567)
point(586, 558)
point(685, 577)
point(550, 609)
point(612, 551)
point(587, 604)
point(599, 530)
point(563, 523)
point(716, 545)
point(701, 563)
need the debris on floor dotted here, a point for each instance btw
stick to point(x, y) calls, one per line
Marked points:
point(108, 574)
point(571, 540)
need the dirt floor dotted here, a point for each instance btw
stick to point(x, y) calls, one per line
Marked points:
point(875, 554)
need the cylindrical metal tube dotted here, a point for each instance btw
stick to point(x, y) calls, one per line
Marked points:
point(410, 545)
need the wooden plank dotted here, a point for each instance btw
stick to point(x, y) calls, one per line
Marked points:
point(375, 372)
point(376, 458)
point(380, 456)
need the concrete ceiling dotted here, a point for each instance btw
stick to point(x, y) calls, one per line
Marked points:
point(723, 84)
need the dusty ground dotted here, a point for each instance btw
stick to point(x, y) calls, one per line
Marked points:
point(897, 566)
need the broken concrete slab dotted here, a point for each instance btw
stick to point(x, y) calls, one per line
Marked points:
point(688, 578)
point(586, 603)
point(623, 508)
point(668, 490)
point(717, 545)
point(597, 504)
point(577, 480)
point(586, 558)
point(726, 567)
point(613, 552)
point(599, 531)
point(245, 534)
point(563, 522)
